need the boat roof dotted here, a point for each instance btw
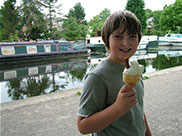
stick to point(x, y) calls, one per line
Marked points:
point(174, 35)
point(39, 42)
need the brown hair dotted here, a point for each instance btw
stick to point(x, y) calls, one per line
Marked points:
point(119, 19)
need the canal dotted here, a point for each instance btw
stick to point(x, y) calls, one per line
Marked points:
point(28, 78)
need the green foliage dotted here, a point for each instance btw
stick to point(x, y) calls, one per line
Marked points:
point(171, 18)
point(13, 37)
point(71, 29)
point(28, 22)
point(97, 22)
point(78, 74)
point(155, 30)
point(148, 13)
point(144, 63)
point(163, 62)
point(145, 77)
point(137, 7)
point(78, 93)
point(36, 33)
point(77, 12)
point(8, 19)
point(75, 26)
point(156, 16)
point(19, 89)
point(53, 9)
point(32, 18)
point(57, 34)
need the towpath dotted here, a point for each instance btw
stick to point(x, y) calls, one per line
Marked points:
point(55, 114)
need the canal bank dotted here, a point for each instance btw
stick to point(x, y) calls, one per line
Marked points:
point(55, 114)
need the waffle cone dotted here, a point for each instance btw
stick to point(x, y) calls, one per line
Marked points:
point(131, 78)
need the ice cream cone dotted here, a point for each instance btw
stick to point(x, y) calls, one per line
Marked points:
point(131, 78)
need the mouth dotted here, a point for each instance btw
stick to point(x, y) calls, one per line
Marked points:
point(125, 50)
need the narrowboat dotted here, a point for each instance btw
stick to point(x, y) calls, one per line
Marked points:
point(22, 50)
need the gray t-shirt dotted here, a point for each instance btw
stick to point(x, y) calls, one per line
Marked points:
point(100, 90)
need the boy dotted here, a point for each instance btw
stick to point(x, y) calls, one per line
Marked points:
point(108, 106)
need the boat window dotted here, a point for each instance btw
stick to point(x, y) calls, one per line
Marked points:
point(88, 41)
point(168, 35)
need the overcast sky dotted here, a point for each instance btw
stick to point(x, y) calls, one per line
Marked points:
point(94, 7)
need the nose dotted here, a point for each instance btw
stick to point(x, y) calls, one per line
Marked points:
point(125, 42)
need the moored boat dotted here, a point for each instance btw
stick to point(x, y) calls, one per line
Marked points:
point(95, 44)
point(144, 41)
point(22, 50)
point(168, 41)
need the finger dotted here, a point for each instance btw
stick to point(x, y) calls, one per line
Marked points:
point(127, 87)
point(134, 101)
point(131, 93)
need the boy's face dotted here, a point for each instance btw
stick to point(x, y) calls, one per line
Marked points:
point(122, 45)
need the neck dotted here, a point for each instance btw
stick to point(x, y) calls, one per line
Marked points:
point(121, 62)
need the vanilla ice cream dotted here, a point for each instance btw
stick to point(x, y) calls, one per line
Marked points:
point(133, 73)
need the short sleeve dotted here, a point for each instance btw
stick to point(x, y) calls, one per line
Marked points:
point(93, 98)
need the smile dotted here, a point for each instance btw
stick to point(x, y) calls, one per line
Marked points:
point(125, 50)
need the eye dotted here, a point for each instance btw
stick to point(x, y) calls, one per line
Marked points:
point(133, 36)
point(118, 36)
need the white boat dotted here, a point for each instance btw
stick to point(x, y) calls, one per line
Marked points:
point(170, 40)
point(96, 43)
point(145, 39)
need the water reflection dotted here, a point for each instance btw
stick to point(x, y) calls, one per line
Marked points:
point(31, 81)
point(162, 61)
point(27, 79)
point(33, 86)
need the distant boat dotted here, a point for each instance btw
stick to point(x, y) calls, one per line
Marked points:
point(168, 41)
point(171, 39)
point(96, 43)
point(145, 40)
point(22, 50)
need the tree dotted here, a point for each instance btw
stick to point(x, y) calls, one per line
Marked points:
point(171, 18)
point(70, 29)
point(156, 16)
point(148, 13)
point(154, 28)
point(8, 19)
point(74, 25)
point(98, 21)
point(52, 7)
point(137, 7)
point(32, 19)
point(77, 12)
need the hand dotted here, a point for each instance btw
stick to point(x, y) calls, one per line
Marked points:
point(126, 99)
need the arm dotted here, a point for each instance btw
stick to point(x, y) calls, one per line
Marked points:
point(148, 132)
point(126, 99)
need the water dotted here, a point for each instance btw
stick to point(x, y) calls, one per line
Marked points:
point(20, 80)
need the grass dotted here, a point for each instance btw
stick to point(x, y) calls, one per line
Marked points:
point(78, 93)
point(145, 77)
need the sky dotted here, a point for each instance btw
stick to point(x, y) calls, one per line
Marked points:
point(94, 7)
